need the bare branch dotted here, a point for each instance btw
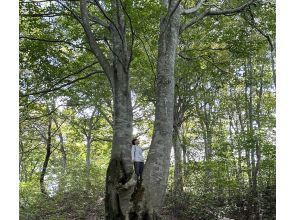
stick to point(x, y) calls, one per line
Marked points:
point(230, 11)
point(194, 9)
point(98, 21)
point(215, 12)
point(70, 10)
point(193, 21)
point(75, 73)
point(92, 41)
point(132, 34)
point(106, 117)
point(262, 32)
point(148, 55)
point(97, 139)
point(42, 15)
point(41, 1)
point(53, 41)
point(61, 86)
point(108, 18)
point(101, 9)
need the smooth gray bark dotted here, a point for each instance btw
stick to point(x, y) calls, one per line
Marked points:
point(157, 165)
point(116, 68)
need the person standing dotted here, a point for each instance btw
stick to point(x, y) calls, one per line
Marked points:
point(137, 158)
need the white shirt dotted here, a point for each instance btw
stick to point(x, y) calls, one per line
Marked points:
point(137, 153)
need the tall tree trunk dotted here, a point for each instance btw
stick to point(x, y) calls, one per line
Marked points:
point(204, 119)
point(62, 148)
point(273, 55)
point(116, 68)
point(253, 195)
point(257, 144)
point(88, 134)
point(47, 157)
point(240, 173)
point(20, 167)
point(247, 152)
point(179, 111)
point(157, 165)
point(178, 173)
point(184, 158)
point(120, 169)
point(247, 115)
point(63, 152)
point(184, 148)
point(88, 156)
point(236, 166)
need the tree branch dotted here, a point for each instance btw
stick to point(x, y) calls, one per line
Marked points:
point(53, 41)
point(61, 86)
point(75, 73)
point(132, 34)
point(192, 21)
point(96, 139)
point(99, 21)
point(108, 18)
point(230, 11)
point(194, 9)
point(254, 25)
point(71, 11)
point(214, 12)
point(146, 52)
point(92, 41)
point(42, 15)
point(106, 118)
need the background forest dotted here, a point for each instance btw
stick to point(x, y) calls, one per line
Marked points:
point(224, 151)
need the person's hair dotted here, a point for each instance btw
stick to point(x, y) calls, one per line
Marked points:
point(133, 141)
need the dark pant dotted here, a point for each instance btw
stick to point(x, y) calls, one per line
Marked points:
point(139, 166)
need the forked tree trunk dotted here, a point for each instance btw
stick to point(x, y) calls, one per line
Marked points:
point(147, 201)
point(156, 170)
point(120, 170)
point(116, 68)
point(120, 201)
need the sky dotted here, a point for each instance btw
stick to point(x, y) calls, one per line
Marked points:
point(9, 110)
